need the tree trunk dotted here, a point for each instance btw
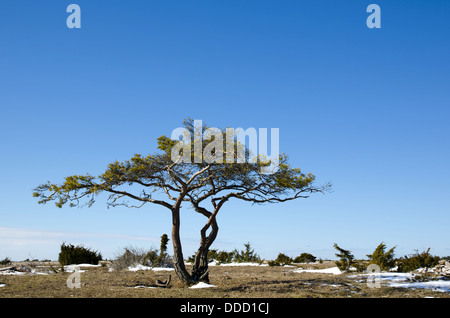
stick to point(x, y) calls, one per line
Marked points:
point(200, 270)
point(178, 260)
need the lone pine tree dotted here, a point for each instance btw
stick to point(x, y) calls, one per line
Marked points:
point(382, 258)
point(346, 258)
point(206, 187)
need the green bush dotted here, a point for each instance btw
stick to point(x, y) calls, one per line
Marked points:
point(222, 257)
point(151, 258)
point(247, 256)
point(163, 259)
point(163, 248)
point(305, 258)
point(281, 260)
point(360, 265)
point(346, 259)
point(5, 261)
point(71, 254)
point(381, 258)
point(416, 260)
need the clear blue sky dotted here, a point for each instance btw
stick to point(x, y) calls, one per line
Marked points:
point(366, 109)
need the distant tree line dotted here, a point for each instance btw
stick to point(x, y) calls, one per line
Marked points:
point(131, 256)
point(247, 255)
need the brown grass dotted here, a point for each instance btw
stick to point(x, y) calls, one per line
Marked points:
point(231, 282)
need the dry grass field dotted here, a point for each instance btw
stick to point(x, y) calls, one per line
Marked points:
point(230, 282)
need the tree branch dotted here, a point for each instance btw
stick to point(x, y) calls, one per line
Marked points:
point(124, 193)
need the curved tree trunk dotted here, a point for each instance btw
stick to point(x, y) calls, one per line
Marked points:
point(199, 270)
point(178, 260)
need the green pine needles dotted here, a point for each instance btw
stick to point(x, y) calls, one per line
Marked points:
point(71, 254)
point(382, 258)
point(346, 259)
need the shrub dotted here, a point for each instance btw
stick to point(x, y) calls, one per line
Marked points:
point(415, 261)
point(163, 248)
point(360, 265)
point(163, 259)
point(71, 254)
point(45, 260)
point(346, 259)
point(133, 256)
point(222, 257)
point(305, 258)
point(381, 258)
point(5, 261)
point(247, 256)
point(281, 260)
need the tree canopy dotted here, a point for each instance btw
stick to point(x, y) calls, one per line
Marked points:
point(206, 186)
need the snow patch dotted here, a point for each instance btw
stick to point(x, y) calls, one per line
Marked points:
point(406, 280)
point(215, 263)
point(202, 285)
point(12, 272)
point(436, 285)
point(331, 270)
point(140, 267)
point(162, 269)
point(76, 267)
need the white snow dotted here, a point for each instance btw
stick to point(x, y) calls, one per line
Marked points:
point(139, 267)
point(2, 285)
point(162, 269)
point(392, 277)
point(12, 273)
point(403, 280)
point(215, 263)
point(202, 285)
point(83, 265)
point(19, 271)
point(331, 270)
point(437, 285)
point(76, 267)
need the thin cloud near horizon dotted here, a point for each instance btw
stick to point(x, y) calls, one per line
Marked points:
point(20, 243)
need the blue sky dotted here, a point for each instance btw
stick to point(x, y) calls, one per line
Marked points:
point(365, 109)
